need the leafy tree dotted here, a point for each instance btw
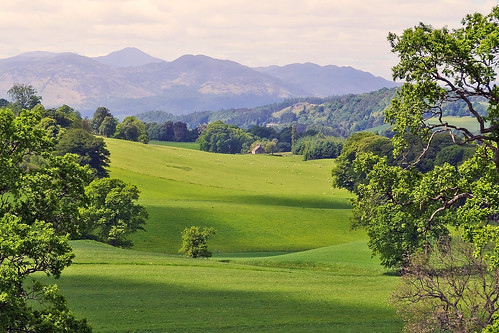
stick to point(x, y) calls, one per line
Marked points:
point(99, 115)
point(227, 139)
point(24, 96)
point(271, 146)
point(3, 102)
point(65, 117)
point(108, 127)
point(132, 129)
point(317, 147)
point(443, 65)
point(263, 132)
point(180, 132)
point(113, 214)
point(38, 212)
point(194, 241)
point(345, 175)
point(92, 151)
point(405, 210)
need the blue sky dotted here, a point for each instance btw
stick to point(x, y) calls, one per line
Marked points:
point(253, 33)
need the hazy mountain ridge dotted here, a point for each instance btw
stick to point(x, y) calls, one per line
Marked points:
point(130, 81)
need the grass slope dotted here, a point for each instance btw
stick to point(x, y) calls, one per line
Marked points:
point(257, 203)
point(265, 208)
point(134, 291)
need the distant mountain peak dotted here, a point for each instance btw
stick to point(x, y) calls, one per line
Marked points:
point(127, 57)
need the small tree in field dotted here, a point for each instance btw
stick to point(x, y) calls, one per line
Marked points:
point(194, 242)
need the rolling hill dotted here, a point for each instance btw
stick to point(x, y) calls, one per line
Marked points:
point(264, 208)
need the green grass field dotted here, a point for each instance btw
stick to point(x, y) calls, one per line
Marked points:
point(256, 203)
point(313, 291)
point(285, 259)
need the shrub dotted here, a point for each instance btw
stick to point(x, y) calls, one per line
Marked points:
point(194, 241)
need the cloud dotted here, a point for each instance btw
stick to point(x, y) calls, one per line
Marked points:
point(253, 33)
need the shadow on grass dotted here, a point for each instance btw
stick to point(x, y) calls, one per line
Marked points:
point(124, 304)
point(301, 202)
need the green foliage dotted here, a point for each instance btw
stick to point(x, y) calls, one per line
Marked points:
point(170, 131)
point(64, 117)
point(91, 151)
point(443, 65)
point(409, 210)
point(226, 139)
point(344, 174)
point(38, 212)
point(23, 97)
point(112, 214)
point(108, 126)
point(194, 242)
point(24, 250)
point(99, 115)
point(131, 129)
point(318, 147)
point(404, 210)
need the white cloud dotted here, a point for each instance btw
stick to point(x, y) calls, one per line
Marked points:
point(347, 32)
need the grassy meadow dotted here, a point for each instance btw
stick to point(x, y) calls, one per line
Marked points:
point(285, 259)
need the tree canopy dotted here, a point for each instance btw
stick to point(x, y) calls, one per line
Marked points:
point(227, 139)
point(409, 206)
point(24, 96)
point(91, 150)
point(131, 129)
point(113, 213)
point(38, 213)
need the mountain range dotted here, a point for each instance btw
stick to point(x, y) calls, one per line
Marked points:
point(130, 81)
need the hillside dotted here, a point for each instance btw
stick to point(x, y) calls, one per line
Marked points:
point(265, 203)
point(130, 81)
point(341, 115)
point(336, 115)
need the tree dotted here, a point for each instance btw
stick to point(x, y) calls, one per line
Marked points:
point(406, 210)
point(194, 241)
point(24, 96)
point(108, 127)
point(344, 174)
point(99, 115)
point(92, 151)
point(38, 213)
point(180, 131)
point(448, 289)
point(113, 214)
point(227, 139)
point(132, 129)
point(442, 65)
point(65, 117)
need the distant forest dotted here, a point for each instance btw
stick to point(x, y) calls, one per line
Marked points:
point(335, 115)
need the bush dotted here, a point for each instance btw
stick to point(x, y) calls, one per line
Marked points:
point(194, 242)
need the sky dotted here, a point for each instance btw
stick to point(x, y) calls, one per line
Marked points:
point(250, 32)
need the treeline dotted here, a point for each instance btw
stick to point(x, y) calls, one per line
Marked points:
point(338, 115)
point(219, 137)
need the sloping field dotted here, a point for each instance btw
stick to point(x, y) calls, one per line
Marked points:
point(256, 203)
point(313, 291)
point(265, 209)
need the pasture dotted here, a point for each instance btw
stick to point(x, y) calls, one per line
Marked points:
point(256, 202)
point(285, 259)
point(313, 291)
